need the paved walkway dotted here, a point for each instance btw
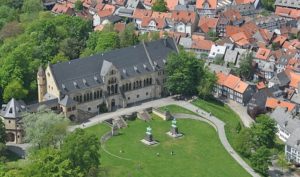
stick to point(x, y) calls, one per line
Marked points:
point(221, 132)
point(219, 125)
point(241, 111)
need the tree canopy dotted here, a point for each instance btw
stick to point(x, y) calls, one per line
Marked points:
point(184, 72)
point(45, 128)
point(82, 150)
point(260, 160)
point(246, 68)
point(160, 6)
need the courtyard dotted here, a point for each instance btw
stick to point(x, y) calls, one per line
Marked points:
point(198, 153)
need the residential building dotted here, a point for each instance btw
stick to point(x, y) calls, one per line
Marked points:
point(217, 51)
point(184, 22)
point(232, 87)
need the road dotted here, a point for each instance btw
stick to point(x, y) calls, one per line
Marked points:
point(218, 124)
point(241, 111)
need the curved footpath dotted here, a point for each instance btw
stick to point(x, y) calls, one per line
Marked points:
point(218, 124)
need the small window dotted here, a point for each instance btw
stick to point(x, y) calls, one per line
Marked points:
point(146, 93)
point(9, 121)
point(89, 108)
point(128, 98)
point(48, 74)
point(18, 136)
point(137, 96)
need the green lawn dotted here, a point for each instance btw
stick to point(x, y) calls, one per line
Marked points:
point(176, 109)
point(224, 113)
point(198, 153)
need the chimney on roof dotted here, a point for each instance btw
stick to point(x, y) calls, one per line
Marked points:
point(285, 123)
point(278, 102)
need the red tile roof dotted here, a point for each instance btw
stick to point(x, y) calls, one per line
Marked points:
point(141, 13)
point(280, 40)
point(260, 85)
point(207, 23)
point(159, 22)
point(273, 103)
point(149, 2)
point(119, 27)
point(107, 10)
point(288, 12)
point(184, 16)
point(263, 54)
point(202, 44)
point(232, 82)
point(244, 1)
point(171, 4)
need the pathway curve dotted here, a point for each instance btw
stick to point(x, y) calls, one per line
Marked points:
point(221, 132)
point(168, 101)
point(241, 111)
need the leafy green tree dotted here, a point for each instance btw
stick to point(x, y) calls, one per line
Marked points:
point(11, 29)
point(212, 35)
point(102, 41)
point(78, 5)
point(71, 47)
point(45, 128)
point(32, 6)
point(264, 131)
point(128, 37)
point(49, 162)
point(268, 4)
point(60, 57)
point(260, 160)
point(160, 6)
point(245, 69)
point(282, 162)
point(7, 14)
point(244, 142)
point(15, 4)
point(184, 72)
point(82, 149)
point(207, 83)
point(15, 90)
point(2, 131)
point(219, 60)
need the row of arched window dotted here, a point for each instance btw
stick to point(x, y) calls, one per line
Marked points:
point(137, 84)
point(88, 96)
point(112, 89)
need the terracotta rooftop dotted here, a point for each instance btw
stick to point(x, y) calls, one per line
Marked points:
point(171, 4)
point(288, 12)
point(263, 54)
point(244, 1)
point(119, 27)
point(260, 85)
point(159, 22)
point(273, 103)
point(207, 23)
point(161, 15)
point(62, 8)
point(232, 82)
point(107, 10)
point(141, 13)
point(149, 2)
point(184, 16)
point(280, 40)
point(202, 44)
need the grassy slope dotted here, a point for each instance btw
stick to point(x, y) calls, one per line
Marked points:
point(198, 153)
point(224, 113)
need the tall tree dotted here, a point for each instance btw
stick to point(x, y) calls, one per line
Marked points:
point(2, 142)
point(160, 6)
point(128, 36)
point(82, 150)
point(45, 128)
point(184, 72)
point(245, 69)
point(32, 6)
point(244, 142)
point(78, 5)
point(49, 162)
point(282, 162)
point(207, 83)
point(14, 89)
point(268, 4)
point(264, 131)
point(2, 131)
point(260, 160)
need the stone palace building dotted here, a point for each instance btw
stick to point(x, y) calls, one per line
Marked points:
point(112, 79)
point(108, 81)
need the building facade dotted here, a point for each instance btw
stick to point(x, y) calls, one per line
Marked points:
point(113, 79)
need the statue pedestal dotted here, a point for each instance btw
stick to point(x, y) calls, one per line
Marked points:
point(174, 133)
point(148, 140)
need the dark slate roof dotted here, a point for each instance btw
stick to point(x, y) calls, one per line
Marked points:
point(67, 101)
point(130, 61)
point(285, 119)
point(48, 103)
point(13, 109)
point(259, 98)
point(283, 79)
point(113, 18)
point(294, 139)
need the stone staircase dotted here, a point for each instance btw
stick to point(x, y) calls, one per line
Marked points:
point(144, 115)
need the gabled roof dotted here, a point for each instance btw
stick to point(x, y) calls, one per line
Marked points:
point(171, 4)
point(244, 1)
point(263, 54)
point(287, 12)
point(13, 109)
point(67, 101)
point(274, 103)
point(159, 22)
point(184, 16)
point(207, 23)
point(69, 75)
point(142, 13)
